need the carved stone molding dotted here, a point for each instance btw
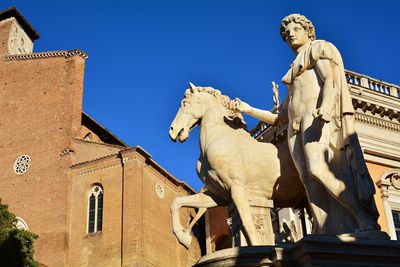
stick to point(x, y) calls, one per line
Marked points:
point(98, 169)
point(395, 180)
point(377, 122)
point(50, 54)
point(389, 185)
point(379, 111)
point(391, 178)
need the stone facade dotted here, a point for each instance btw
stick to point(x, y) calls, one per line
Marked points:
point(69, 153)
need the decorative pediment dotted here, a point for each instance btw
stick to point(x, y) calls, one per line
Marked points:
point(391, 178)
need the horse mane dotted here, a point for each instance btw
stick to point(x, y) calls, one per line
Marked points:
point(234, 119)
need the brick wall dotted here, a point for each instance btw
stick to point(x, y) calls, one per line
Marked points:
point(146, 230)
point(41, 101)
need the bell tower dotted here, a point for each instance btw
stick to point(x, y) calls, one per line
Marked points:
point(16, 34)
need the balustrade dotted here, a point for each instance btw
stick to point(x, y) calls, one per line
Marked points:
point(372, 84)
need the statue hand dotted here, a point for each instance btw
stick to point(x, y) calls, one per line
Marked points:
point(322, 114)
point(241, 106)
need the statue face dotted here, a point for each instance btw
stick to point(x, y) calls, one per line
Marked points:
point(296, 35)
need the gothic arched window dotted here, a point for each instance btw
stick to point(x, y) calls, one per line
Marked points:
point(95, 209)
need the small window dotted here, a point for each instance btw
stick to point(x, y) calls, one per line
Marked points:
point(88, 137)
point(396, 220)
point(95, 209)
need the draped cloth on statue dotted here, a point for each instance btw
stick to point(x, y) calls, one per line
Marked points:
point(343, 135)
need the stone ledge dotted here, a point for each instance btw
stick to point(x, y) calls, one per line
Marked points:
point(247, 256)
point(313, 250)
point(61, 53)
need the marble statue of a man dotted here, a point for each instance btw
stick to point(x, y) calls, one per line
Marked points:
point(321, 136)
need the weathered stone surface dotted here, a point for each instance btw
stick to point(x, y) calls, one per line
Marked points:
point(313, 250)
point(321, 133)
point(234, 167)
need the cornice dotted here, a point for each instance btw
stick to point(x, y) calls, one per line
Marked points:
point(379, 112)
point(142, 158)
point(378, 122)
point(375, 98)
point(87, 171)
point(96, 165)
point(50, 54)
point(94, 161)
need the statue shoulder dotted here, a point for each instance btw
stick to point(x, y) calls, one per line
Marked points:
point(321, 49)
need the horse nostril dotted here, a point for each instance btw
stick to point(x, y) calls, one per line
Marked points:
point(171, 128)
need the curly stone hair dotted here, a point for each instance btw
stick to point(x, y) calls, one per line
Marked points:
point(302, 20)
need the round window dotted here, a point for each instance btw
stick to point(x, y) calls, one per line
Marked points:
point(21, 224)
point(21, 165)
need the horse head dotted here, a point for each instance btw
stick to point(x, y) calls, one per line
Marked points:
point(188, 116)
point(196, 102)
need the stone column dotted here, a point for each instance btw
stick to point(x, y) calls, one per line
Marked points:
point(388, 212)
point(208, 237)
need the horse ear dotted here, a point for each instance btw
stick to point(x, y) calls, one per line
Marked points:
point(192, 86)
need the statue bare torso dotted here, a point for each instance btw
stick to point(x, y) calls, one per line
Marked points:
point(303, 96)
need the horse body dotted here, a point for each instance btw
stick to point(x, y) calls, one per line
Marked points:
point(229, 155)
point(231, 162)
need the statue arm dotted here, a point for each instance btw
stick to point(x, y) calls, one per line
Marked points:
point(326, 69)
point(264, 115)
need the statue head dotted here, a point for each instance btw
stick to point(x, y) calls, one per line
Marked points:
point(294, 19)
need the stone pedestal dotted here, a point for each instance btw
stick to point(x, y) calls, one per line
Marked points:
point(313, 250)
point(260, 208)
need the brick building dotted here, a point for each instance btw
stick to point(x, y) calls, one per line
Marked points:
point(92, 199)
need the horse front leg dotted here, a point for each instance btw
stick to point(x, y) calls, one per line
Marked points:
point(240, 198)
point(201, 201)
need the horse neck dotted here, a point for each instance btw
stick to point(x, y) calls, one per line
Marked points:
point(214, 116)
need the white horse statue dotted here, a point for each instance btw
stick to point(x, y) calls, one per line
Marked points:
point(231, 162)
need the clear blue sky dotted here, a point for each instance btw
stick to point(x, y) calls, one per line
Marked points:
point(143, 53)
